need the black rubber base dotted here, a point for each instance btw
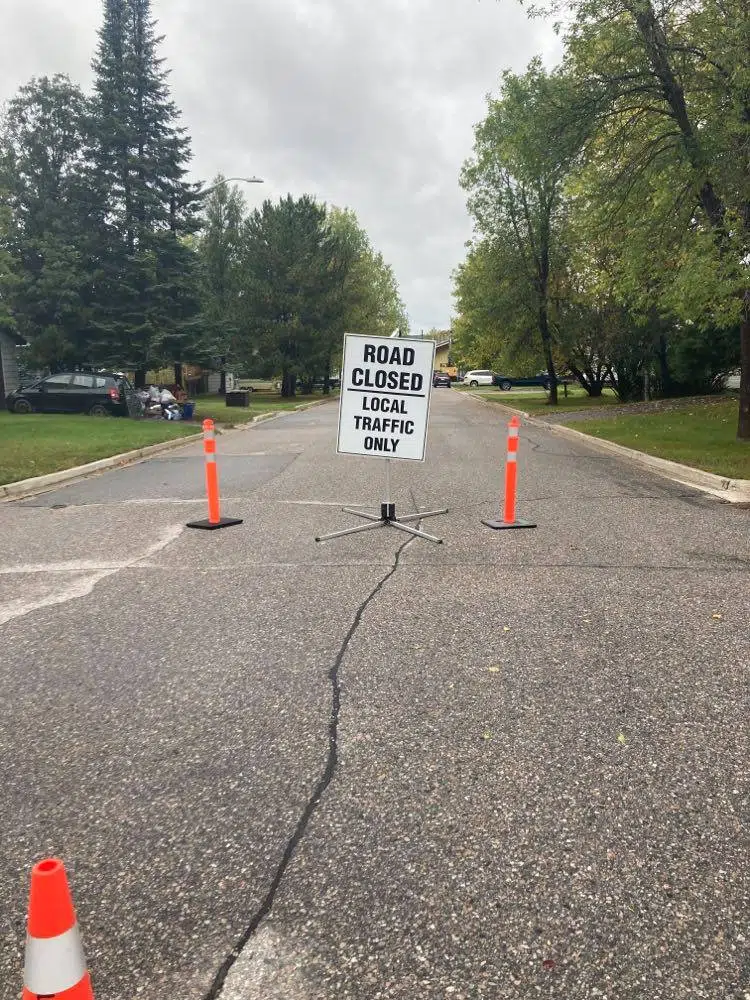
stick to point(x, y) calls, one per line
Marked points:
point(518, 523)
point(225, 522)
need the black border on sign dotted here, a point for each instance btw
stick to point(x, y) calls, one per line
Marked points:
point(389, 340)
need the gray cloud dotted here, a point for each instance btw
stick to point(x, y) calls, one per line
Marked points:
point(365, 103)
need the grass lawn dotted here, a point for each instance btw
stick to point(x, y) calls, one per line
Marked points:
point(215, 407)
point(700, 436)
point(38, 443)
point(533, 401)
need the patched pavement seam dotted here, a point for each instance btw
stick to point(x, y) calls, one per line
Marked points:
point(320, 789)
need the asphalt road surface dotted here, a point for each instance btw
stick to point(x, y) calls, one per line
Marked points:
point(514, 765)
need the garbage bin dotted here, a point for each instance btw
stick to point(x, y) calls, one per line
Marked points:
point(188, 409)
point(238, 398)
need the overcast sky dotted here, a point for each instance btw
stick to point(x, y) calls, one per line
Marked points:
point(364, 103)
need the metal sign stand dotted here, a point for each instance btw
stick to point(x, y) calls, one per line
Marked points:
point(387, 517)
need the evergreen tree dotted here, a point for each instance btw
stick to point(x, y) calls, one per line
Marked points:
point(46, 281)
point(220, 256)
point(139, 155)
point(292, 280)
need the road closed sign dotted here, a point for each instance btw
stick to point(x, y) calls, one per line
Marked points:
point(385, 397)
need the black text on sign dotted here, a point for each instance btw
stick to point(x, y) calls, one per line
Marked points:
point(385, 397)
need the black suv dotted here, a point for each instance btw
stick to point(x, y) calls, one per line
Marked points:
point(101, 394)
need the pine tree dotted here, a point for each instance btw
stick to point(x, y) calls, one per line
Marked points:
point(220, 254)
point(46, 283)
point(292, 282)
point(139, 156)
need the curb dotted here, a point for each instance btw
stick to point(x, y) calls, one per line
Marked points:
point(40, 484)
point(733, 491)
point(24, 488)
point(316, 402)
point(273, 414)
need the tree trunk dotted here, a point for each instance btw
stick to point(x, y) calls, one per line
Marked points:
point(583, 380)
point(140, 378)
point(665, 374)
point(547, 347)
point(743, 424)
point(288, 384)
point(178, 374)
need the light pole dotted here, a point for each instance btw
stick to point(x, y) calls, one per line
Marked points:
point(204, 193)
point(229, 180)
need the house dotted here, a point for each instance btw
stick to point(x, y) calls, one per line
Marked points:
point(9, 362)
point(443, 358)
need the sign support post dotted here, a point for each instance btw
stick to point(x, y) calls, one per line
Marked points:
point(383, 412)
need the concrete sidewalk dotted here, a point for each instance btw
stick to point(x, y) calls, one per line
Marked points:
point(509, 766)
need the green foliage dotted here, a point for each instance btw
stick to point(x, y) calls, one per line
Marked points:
point(140, 200)
point(305, 275)
point(220, 254)
point(293, 269)
point(698, 354)
point(668, 170)
point(373, 304)
point(44, 277)
point(525, 149)
point(100, 257)
point(496, 324)
point(642, 135)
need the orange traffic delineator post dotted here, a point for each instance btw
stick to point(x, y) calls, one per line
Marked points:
point(511, 476)
point(55, 965)
point(215, 520)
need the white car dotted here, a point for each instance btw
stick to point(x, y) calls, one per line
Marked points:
point(482, 377)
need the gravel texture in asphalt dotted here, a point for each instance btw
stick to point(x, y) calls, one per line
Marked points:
point(509, 766)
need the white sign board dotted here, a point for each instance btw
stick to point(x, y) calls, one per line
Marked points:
point(385, 397)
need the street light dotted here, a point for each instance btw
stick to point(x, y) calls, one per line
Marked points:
point(202, 194)
point(229, 180)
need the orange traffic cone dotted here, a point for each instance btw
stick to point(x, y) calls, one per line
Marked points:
point(55, 965)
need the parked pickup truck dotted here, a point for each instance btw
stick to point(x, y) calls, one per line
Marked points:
point(542, 379)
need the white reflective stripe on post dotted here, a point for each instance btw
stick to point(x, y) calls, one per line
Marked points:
point(513, 432)
point(209, 435)
point(512, 456)
point(54, 965)
point(211, 456)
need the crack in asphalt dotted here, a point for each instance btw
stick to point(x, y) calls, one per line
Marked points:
point(320, 788)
